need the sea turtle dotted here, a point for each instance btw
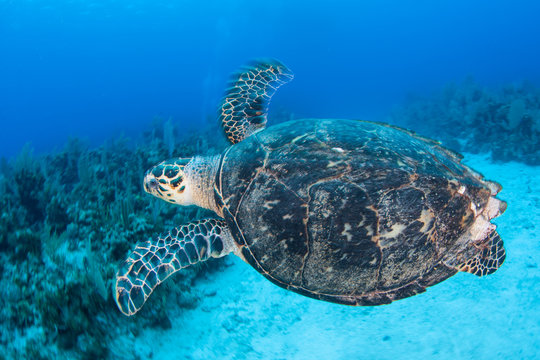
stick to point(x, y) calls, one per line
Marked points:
point(351, 212)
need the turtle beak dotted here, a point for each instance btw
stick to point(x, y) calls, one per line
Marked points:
point(151, 185)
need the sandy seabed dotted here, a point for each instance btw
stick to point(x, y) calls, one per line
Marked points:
point(243, 316)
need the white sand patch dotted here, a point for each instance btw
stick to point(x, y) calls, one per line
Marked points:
point(243, 316)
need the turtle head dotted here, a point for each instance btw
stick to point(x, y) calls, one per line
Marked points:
point(168, 181)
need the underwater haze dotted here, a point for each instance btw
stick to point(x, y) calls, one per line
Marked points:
point(96, 69)
point(95, 93)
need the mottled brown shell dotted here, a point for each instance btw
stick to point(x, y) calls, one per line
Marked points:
point(348, 211)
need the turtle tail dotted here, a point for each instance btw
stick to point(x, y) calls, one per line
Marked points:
point(153, 261)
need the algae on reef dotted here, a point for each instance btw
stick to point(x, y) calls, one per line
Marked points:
point(67, 221)
point(467, 117)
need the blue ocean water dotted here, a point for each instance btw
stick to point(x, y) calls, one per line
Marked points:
point(96, 69)
point(76, 76)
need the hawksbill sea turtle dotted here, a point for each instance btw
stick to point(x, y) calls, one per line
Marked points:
point(346, 211)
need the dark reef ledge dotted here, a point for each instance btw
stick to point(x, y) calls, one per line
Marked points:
point(467, 117)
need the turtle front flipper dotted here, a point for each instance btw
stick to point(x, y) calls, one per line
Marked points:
point(245, 106)
point(153, 261)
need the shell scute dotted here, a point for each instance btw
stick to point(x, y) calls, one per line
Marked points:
point(341, 247)
point(280, 216)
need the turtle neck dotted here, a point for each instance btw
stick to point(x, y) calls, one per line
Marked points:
point(201, 172)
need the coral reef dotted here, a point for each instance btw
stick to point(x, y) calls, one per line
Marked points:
point(467, 117)
point(67, 221)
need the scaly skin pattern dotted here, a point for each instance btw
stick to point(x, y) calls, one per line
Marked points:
point(245, 106)
point(167, 179)
point(489, 258)
point(153, 261)
point(355, 212)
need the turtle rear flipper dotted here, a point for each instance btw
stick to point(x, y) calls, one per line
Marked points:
point(489, 258)
point(153, 261)
point(245, 106)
